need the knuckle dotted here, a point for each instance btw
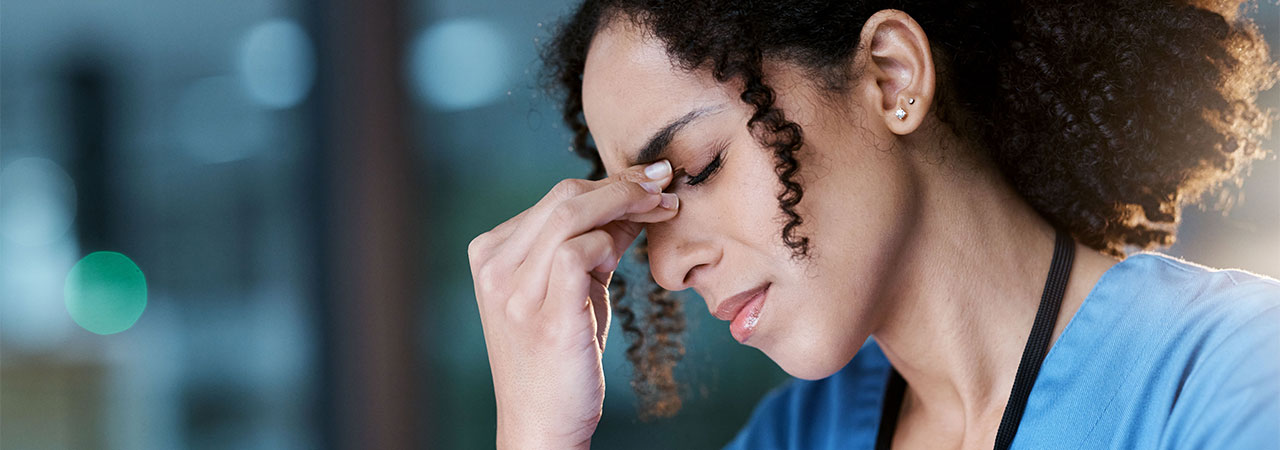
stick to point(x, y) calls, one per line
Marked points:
point(519, 313)
point(568, 256)
point(602, 240)
point(563, 215)
point(478, 248)
point(568, 188)
point(485, 289)
point(488, 278)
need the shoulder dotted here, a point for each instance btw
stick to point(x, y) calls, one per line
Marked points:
point(1202, 345)
point(839, 411)
point(1202, 314)
point(1182, 274)
point(1229, 394)
point(1196, 280)
point(1200, 302)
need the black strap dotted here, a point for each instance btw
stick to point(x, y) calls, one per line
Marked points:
point(893, 392)
point(1055, 286)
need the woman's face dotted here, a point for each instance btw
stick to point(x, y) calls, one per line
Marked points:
point(860, 196)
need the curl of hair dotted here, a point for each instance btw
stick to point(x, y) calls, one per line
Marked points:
point(654, 346)
point(1107, 116)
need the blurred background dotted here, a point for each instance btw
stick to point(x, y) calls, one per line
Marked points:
point(281, 194)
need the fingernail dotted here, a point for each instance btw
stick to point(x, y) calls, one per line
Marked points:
point(651, 186)
point(669, 200)
point(658, 170)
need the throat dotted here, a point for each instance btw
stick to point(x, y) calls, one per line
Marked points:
point(966, 370)
point(918, 426)
point(957, 334)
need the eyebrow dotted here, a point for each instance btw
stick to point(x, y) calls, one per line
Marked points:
point(656, 147)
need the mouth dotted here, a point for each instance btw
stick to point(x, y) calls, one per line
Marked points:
point(744, 311)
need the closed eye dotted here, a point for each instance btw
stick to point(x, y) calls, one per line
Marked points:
point(709, 170)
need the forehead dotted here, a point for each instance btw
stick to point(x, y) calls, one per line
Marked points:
point(631, 89)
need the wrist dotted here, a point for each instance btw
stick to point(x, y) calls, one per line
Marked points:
point(543, 428)
point(523, 441)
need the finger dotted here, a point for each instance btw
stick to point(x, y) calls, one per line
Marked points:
point(623, 233)
point(514, 243)
point(665, 211)
point(652, 178)
point(600, 303)
point(569, 283)
point(632, 192)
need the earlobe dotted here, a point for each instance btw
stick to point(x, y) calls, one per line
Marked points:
point(900, 61)
point(901, 114)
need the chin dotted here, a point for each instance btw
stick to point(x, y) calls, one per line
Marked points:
point(811, 360)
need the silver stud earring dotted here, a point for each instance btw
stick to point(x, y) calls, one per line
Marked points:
point(902, 114)
point(911, 101)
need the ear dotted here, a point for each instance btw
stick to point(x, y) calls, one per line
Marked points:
point(898, 70)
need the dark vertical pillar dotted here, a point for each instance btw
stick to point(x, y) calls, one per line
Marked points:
point(87, 99)
point(369, 390)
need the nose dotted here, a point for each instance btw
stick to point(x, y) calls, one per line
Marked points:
point(678, 259)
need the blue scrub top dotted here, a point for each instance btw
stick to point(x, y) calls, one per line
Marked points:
point(1162, 354)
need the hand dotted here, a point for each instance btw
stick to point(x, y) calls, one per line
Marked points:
point(541, 281)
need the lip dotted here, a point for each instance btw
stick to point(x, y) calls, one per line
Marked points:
point(744, 311)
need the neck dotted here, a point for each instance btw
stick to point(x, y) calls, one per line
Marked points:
point(961, 310)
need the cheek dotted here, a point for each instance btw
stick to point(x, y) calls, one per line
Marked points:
point(748, 193)
point(859, 209)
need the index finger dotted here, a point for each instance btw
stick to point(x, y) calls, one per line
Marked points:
point(635, 190)
point(516, 244)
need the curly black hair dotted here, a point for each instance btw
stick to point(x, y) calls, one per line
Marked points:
point(1107, 116)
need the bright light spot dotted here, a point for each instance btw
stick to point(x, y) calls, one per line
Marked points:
point(277, 64)
point(105, 292)
point(32, 315)
point(459, 64)
point(215, 123)
point(37, 201)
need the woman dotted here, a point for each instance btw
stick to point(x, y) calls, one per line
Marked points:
point(955, 181)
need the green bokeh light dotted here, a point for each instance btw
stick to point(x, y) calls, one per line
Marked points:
point(105, 292)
